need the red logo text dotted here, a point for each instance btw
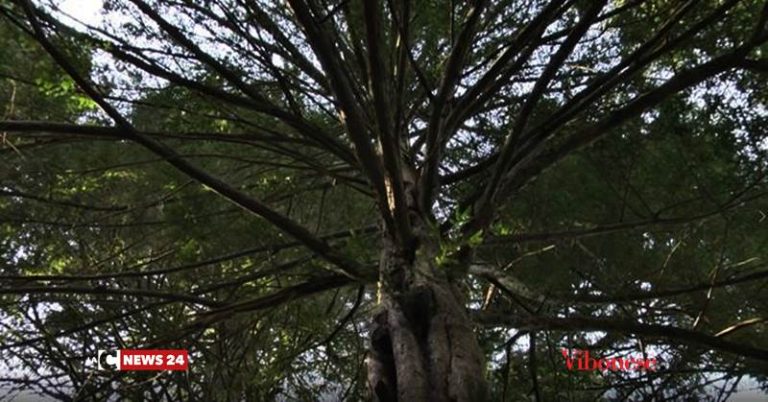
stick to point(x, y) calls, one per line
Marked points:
point(580, 360)
point(144, 359)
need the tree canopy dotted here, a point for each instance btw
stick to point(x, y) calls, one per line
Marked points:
point(350, 200)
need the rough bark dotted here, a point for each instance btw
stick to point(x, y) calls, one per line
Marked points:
point(423, 347)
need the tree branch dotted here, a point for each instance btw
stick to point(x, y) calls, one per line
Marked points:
point(485, 204)
point(531, 160)
point(435, 135)
point(255, 102)
point(96, 290)
point(349, 267)
point(668, 333)
point(389, 139)
point(350, 113)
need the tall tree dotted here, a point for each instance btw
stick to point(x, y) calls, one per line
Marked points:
point(360, 199)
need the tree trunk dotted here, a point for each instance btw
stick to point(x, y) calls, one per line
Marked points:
point(423, 347)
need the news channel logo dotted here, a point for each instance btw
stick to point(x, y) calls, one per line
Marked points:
point(108, 360)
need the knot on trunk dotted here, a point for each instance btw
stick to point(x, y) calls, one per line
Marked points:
point(418, 306)
point(382, 374)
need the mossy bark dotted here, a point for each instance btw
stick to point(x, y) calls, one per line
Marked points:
point(423, 346)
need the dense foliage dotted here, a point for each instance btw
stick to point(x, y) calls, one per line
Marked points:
point(228, 176)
